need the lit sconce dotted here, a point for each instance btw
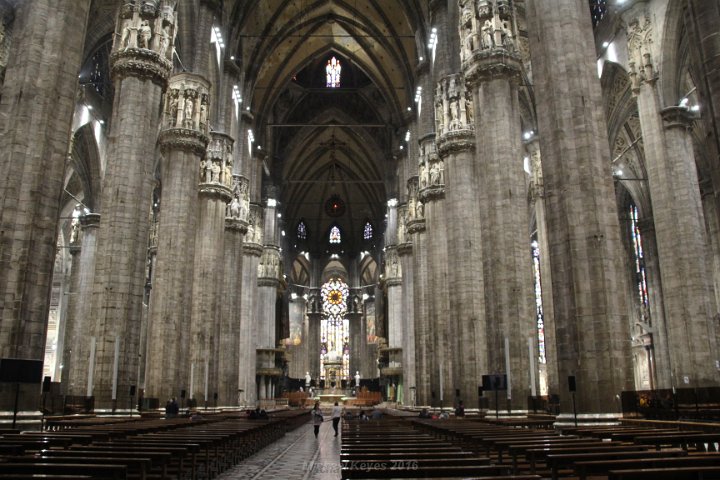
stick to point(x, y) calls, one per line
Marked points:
point(402, 148)
point(684, 102)
point(216, 37)
point(392, 202)
point(293, 296)
point(282, 232)
point(418, 94)
point(271, 202)
point(528, 135)
point(365, 296)
point(422, 58)
point(407, 136)
point(606, 44)
point(279, 215)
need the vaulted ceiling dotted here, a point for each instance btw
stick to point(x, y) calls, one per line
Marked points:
point(326, 142)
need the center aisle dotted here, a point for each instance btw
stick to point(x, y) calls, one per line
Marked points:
point(296, 456)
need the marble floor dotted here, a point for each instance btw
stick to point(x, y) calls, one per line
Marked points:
point(296, 456)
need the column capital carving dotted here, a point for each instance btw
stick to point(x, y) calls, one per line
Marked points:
point(254, 238)
point(239, 206)
point(393, 269)
point(216, 168)
point(488, 46)
point(89, 220)
point(416, 226)
point(185, 119)
point(270, 266)
point(431, 173)
point(639, 30)
point(454, 122)
point(236, 225)
point(678, 117)
point(144, 40)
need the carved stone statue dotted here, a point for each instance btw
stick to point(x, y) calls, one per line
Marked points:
point(423, 176)
point(487, 35)
point(420, 210)
point(234, 208)
point(144, 35)
point(435, 174)
point(172, 109)
point(189, 108)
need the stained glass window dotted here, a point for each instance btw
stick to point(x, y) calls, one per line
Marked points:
point(301, 230)
point(368, 231)
point(332, 73)
point(539, 317)
point(334, 332)
point(640, 274)
point(598, 9)
point(335, 235)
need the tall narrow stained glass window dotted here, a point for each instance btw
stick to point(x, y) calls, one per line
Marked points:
point(334, 332)
point(368, 231)
point(301, 231)
point(335, 236)
point(640, 275)
point(539, 316)
point(332, 73)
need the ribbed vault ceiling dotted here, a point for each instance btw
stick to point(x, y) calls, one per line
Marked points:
point(321, 141)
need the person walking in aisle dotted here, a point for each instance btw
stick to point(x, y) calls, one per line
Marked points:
point(317, 418)
point(336, 413)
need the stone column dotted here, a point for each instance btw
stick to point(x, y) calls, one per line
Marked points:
point(679, 224)
point(76, 358)
point(38, 98)
point(252, 250)
point(236, 226)
point(492, 71)
point(404, 252)
point(268, 282)
point(214, 192)
point(548, 370)
point(70, 330)
point(415, 226)
point(393, 281)
point(183, 142)
point(140, 64)
point(456, 147)
point(314, 317)
point(440, 331)
point(679, 221)
point(590, 296)
point(356, 350)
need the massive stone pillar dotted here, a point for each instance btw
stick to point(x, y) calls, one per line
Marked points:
point(589, 290)
point(75, 356)
point(214, 192)
point(236, 226)
point(183, 142)
point(689, 331)
point(252, 250)
point(441, 331)
point(492, 70)
point(415, 225)
point(38, 96)
point(268, 282)
point(404, 252)
point(140, 65)
point(456, 146)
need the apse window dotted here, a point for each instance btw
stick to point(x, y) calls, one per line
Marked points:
point(332, 73)
point(335, 237)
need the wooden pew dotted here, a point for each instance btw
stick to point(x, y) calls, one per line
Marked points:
point(583, 469)
point(556, 461)
point(105, 472)
point(680, 473)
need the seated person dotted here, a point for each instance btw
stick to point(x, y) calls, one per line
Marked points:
point(348, 415)
point(362, 415)
point(376, 414)
point(460, 410)
point(443, 415)
point(424, 413)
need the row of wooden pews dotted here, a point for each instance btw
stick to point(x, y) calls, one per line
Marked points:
point(623, 452)
point(150, 449)
point(394, 448)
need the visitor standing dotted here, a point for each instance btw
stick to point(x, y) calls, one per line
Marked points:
point(317, 418)
point(336, 414)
